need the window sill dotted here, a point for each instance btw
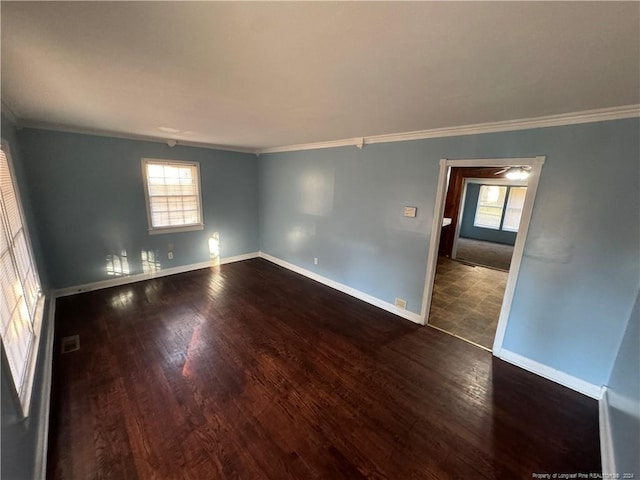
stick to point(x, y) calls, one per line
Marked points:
point(185, 228)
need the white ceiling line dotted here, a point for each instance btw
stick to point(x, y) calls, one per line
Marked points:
point(588, 116)
point(128, 136)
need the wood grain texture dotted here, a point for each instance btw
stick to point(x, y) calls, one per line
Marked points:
point(251, 371)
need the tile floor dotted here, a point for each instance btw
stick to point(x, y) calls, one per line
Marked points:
point(466, 300)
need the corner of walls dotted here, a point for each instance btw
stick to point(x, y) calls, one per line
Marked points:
point(415, 318)
point(93, 187)
point(620, 404)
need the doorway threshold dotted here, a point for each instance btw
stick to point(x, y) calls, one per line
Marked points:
point(461, 338)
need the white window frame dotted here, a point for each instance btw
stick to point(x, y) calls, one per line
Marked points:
point(506, 207)
point(22, 393)
point(478, 207)
point(172, 229)
point(498, 182)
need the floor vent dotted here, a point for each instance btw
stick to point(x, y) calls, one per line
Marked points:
point(70, 344)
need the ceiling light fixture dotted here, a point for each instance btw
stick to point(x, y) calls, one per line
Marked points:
point(517, 173)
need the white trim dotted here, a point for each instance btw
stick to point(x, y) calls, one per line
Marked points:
point(40, 469)
point(24, 396)
point(130, 136)
point(125, 280)
point(184, 228)
point(536, 165)
point(607, 454)
point(436, 230)
point(359, 142)
point(587, 116)
point(569, 381)
point(199, 225)
point(365, 297)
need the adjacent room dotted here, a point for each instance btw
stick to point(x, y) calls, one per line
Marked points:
point(482, 216)
point(320, 240)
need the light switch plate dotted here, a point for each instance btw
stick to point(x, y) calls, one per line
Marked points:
point(410, 211)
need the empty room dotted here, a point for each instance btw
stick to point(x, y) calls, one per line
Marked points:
point(320, 240)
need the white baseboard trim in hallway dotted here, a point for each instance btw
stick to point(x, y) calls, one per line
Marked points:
point(569, 381)
point(124, 280)
point(365, 297)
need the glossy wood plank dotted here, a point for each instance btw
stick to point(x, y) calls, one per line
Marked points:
point(251, 371)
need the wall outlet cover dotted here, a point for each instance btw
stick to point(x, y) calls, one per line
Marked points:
point(401, 303)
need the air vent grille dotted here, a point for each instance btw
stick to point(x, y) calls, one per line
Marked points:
point(70, 344)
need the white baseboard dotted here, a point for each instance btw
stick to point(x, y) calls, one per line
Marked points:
point(114, 282)
point(569, 381)
point(42, 439)
point(606, 438)
point(365, 297)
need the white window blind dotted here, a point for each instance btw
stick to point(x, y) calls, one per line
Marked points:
point(19, 283)
point(490, 204)
point(173, 195)
point(515, 203)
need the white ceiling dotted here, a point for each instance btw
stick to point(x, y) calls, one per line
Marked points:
point(267, 74)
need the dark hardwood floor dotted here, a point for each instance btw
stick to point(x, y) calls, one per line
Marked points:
point(251, 371)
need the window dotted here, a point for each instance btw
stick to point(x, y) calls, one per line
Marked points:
point(514, 208)
point(491, 212)
point(490, 205)
point(21, 306)
point(172, 191)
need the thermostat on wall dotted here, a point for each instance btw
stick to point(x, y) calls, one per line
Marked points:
point(410, 211)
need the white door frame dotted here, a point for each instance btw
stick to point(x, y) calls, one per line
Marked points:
point(532, 186)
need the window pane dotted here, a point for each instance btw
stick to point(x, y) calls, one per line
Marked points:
point(173, 194)
point(514, 209)
point(19, 284)
point(490, 204)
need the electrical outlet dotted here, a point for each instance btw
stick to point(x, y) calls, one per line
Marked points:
point(315, 260)
point(401, 303)
point(170, 255)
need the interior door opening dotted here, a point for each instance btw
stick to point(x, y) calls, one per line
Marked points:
point(479, 230)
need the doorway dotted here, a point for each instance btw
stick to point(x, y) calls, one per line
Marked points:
point(471, 297)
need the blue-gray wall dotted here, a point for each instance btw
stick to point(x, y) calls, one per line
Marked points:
point(19, 437)
point(469, 230)
point(624, 398)
point(88, 200)
point(579, 274)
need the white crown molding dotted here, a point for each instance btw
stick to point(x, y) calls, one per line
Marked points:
point(588, 116)
point(128, 136)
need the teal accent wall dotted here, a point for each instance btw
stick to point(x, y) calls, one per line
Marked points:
point(89, 201)
point(580, 271)
point(469, 230)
